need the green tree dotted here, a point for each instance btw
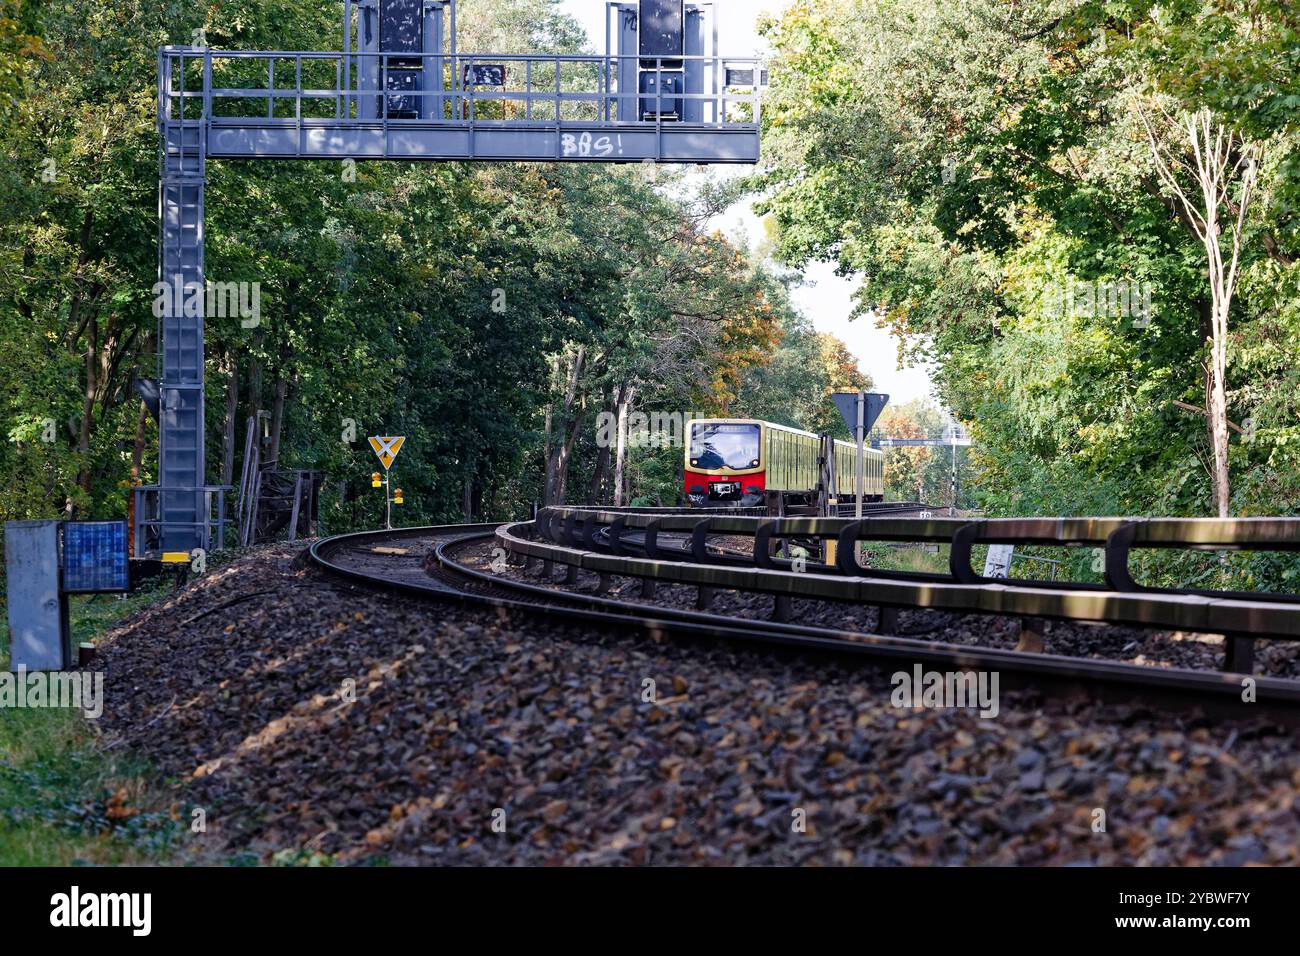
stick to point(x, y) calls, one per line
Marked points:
point(983, 170)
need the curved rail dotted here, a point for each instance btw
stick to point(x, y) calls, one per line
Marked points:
point(1241, 617)
point(1214, 692)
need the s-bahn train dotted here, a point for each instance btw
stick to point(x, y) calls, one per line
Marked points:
point(739, 460)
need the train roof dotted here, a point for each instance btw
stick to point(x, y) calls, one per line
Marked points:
point(782, 428)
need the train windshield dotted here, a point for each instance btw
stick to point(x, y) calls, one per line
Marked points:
point(724, 446)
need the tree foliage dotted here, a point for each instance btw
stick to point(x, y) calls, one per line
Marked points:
point(490, 313)
point(983, 169)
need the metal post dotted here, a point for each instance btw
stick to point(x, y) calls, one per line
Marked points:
point(859, 482)
point(952, 510)
point(607, 72)
point(861, 435)
point(347, 57)
point(388, 504)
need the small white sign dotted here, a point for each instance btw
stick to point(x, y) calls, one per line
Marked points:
point(998, 563)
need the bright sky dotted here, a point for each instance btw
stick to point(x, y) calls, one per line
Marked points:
point(825, 297)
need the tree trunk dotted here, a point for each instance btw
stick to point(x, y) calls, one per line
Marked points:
point(88, 403)
point(1217, 156)
point(137, 448)
point(557, 464)
point(603, 455)
point(625, 397)
point(679, 474)
point(566, 456)
point(255, 383)
point(546, 451)
point(277, 419)
point(228, 427)
point(596, 494)
point(1218, 408)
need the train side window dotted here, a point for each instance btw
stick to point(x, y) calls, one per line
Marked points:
point(796, 465)
point(785, 462)
point(789, 462)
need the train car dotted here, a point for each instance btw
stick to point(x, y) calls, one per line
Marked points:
point(739, 460)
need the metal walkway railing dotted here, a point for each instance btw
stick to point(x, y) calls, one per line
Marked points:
point(514, 106)
point(594, 540)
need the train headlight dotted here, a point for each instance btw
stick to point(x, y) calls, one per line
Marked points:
point(754, 463)
point(695, 461)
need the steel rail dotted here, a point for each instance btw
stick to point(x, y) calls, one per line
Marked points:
point(1213, 693)
point(594, 540)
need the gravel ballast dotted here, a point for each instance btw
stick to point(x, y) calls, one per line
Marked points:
point(321, 719)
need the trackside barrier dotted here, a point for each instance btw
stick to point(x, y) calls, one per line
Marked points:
point(609, 542)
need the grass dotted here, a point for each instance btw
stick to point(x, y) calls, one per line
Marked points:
point(888, 556)
point(66, 798)
point(1073, 564)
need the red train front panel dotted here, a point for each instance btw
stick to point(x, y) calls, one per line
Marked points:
point(701, 489)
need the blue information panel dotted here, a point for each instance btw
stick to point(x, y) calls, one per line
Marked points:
point(94, 556)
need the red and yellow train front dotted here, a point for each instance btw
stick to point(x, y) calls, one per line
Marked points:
point(724, 463)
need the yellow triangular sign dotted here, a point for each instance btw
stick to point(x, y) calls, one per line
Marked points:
point(387, 449)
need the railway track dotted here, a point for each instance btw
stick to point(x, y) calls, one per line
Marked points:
point(426, 563)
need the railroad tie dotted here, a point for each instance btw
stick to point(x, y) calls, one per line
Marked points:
point(781, 608)
point(648, 588)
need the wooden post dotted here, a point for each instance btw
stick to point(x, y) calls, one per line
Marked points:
point(1032, 631)
point(1239, 654)
point(297, 503)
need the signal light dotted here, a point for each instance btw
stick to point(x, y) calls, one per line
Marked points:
point(374, 480)
point(397, 497)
